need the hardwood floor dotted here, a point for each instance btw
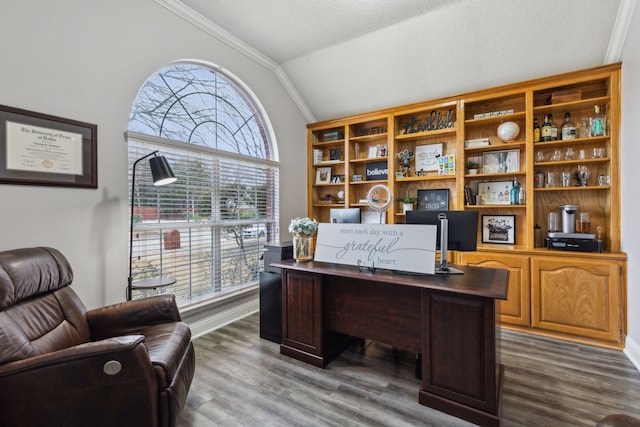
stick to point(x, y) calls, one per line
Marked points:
point(242, 380)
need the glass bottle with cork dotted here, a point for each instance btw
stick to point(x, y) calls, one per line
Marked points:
point(597, 122)
point(554, 128)
point(514, 193)
point(568, 127)
point(536, 130)
point(545, 130)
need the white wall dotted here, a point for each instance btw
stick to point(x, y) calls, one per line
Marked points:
point(630, 151)
point(86, 60)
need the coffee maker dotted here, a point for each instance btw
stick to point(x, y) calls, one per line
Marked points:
point(568, 239)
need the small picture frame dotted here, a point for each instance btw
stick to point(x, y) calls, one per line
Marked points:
point(505, 161)
point(436, 199)
point(494, 192)
point(499, 229)
point(373, 152)
point(356, 178)
point(399, 174)
point(427, 156)
point(323, 175)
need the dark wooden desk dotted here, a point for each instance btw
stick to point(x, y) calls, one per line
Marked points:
point(449, 319)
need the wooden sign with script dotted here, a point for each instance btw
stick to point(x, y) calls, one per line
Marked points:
point(404, 247)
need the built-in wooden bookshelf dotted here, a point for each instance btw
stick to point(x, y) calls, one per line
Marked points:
point(578, 296)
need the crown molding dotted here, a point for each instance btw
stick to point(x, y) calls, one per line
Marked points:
point(619, 33)
point(240, 46)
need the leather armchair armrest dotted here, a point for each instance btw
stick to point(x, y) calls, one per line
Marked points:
point(65, 385)
point(132, 317)
point(79, 354)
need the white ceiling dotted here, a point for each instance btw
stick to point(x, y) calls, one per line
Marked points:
point(351, 56)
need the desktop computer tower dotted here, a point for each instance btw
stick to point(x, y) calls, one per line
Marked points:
point(271, 291)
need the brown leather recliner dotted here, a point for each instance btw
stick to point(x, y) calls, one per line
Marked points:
point(128, 364)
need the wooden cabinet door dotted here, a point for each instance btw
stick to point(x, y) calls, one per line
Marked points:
point(516, 309)
point(302, 314)
point(578, 297)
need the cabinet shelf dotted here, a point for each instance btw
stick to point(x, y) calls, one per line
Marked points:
point(329, 163)
point(329, 185)
point(495, 206)
point(506, 146)
point(427, 178)
point(335, 143)
point(368, 182)
point(562, 107)
point(572, 162)
point(574, 188)
point(328, 205)
point(495, 119)
point(572, 142)
point(426, 134)
point(501, 175)
point(369, 159)
point(382, 135)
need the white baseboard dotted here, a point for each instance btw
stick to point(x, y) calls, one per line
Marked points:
point(219, 313)
point(632, 350)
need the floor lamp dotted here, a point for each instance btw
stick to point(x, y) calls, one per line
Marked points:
point(162, 175)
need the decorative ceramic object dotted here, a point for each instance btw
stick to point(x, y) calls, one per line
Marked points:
point(508, 131)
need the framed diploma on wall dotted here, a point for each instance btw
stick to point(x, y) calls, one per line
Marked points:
point(40, 149)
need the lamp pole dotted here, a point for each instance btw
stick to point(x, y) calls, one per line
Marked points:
point(162, 175)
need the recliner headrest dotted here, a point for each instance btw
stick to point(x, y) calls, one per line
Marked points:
point(27, 272)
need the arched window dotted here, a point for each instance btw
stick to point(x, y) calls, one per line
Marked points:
point(207, 229)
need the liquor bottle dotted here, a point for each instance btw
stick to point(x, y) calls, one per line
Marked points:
point(597, 123)
point(568, 127)
point(536, 130)
point(554, 129)
point(514, 195)
point(545, 130)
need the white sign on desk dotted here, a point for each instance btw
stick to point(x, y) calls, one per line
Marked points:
point(404, 247)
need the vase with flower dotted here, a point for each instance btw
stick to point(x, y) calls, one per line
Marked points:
point(303, 230)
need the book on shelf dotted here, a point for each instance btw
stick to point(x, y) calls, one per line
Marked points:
point(473, 143)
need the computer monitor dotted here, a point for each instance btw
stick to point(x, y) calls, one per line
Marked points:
point(344, 215)
point(460, 232)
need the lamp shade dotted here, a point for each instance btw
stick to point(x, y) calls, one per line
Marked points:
point(161, 171)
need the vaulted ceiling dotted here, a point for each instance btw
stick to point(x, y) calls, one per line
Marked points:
point(342, 57)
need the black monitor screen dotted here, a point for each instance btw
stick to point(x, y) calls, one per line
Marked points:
point(462, 226)
point(344, 215)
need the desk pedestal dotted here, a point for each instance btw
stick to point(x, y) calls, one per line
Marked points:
point(454, 331)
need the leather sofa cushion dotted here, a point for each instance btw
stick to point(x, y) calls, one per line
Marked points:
point(28, 272)
point(167, 343)
point(42, 325)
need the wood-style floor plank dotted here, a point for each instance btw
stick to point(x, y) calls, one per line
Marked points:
point(243, 380)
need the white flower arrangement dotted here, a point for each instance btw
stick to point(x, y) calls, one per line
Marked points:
point(304, 225)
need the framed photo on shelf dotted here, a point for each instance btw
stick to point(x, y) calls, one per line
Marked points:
point(427, 157)
point(436, 199)
point(494, 192)
point(501, 161)
point(323, 175)
point(499, 229)
point(40, 149)
point(373, 151)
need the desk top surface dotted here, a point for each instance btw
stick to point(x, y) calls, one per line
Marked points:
point(480, 281)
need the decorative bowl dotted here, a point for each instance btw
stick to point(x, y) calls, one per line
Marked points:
point(508, 131)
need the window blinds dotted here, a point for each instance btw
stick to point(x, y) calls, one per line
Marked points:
point(207, 229)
